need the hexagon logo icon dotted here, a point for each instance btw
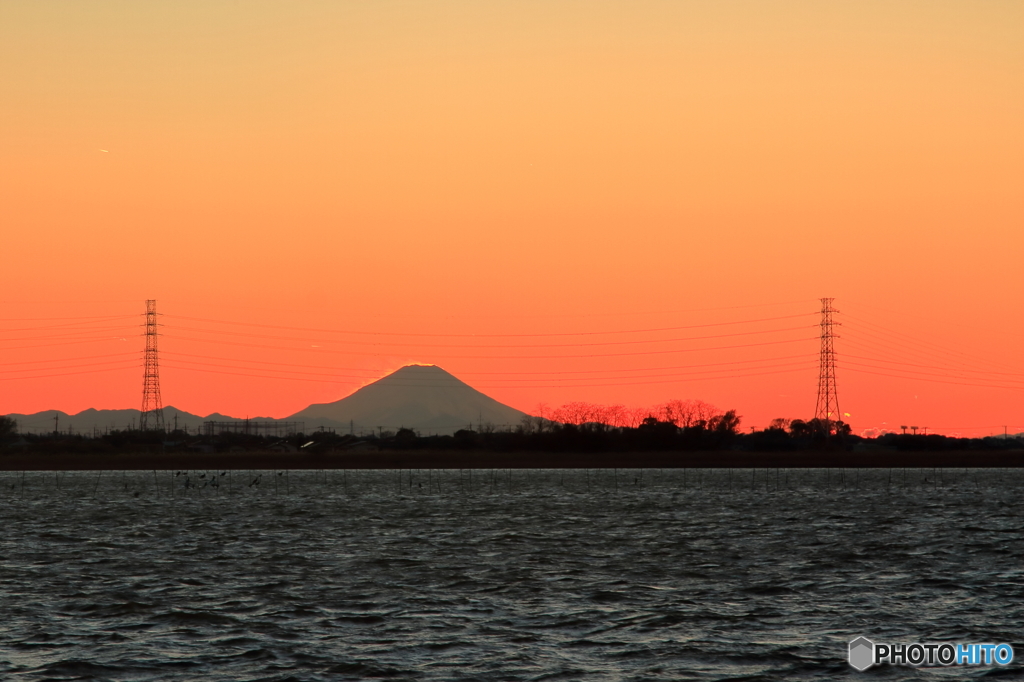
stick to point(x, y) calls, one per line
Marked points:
point(862, 653)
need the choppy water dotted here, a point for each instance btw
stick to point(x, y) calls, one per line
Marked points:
point(532, 575)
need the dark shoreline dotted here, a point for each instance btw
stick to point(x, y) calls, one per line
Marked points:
point(471, 459)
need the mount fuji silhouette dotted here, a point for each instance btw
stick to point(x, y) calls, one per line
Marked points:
point(424, 398)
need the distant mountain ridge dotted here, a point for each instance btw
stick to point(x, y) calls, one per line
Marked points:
point(99, 421)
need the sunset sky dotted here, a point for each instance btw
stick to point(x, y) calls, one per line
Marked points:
point(617, 202)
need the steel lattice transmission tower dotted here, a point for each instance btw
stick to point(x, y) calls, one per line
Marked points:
point(152, 416)
point(827, 410)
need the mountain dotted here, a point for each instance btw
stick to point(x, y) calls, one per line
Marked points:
point(424, 398)
point(92, 420)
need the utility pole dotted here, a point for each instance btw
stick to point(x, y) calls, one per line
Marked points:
point(828, 400)
point(152, 415)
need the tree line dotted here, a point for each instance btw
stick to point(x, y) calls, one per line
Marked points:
point(677, 425)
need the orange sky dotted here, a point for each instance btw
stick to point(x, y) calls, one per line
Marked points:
point(511, 168)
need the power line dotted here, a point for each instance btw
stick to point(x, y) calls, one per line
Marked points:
point(539, 345)
point(325, 372)
point(73, 366)
point(502, 357)
point(889, 357)
point(376, 372)
point(629, 383)
point(52, 319)
point(931, 374)
point(67, 343)
point(71, 334)
point(912, 315)
point(898, 348)
point(478, 336)
point(916, 343)
point(67, 374)
point(936, 381)
point(84, 326)
point(87, 357)
point(566, 315)
point(910, 364)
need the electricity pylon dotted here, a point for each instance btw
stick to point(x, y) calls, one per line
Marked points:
point(827, 410)
point(152, 416)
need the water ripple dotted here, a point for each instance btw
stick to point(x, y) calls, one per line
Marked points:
point(533, 575)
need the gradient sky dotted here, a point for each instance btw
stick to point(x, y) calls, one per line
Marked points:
point(513, 168)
